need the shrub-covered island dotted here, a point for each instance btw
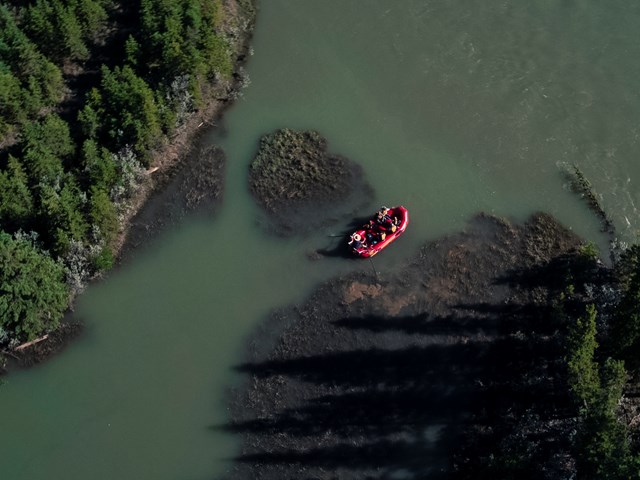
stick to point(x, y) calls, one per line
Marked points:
point(90, 93)
point(301, 185)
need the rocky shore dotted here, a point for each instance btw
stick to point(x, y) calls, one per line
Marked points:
point(385, 378)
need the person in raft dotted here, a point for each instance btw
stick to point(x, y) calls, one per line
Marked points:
point(356, 241)
point(384, 220)
point(374, 236)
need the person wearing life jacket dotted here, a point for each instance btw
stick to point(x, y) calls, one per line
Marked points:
point(375, 235)
point(357, 241)
point(384, 220)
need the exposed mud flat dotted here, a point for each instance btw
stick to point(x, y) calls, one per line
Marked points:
point(301, 185)
point(384, 377)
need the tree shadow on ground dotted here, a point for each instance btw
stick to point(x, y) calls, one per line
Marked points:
point(484, 318)
point(476, 393)
point(555, 275)
point(367, 413)
point(377, 406)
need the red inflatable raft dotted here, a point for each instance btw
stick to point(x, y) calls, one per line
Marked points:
point(380, 232)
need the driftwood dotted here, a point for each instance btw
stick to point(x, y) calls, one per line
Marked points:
point(583, 187)
point(32, 342)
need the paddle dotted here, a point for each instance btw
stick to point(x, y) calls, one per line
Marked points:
point(374, 268)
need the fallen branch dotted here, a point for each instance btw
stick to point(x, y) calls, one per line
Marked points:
point(32, 342)
point(582, 186)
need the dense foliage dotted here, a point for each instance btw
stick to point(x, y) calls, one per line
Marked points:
point(64, 29)
point(572, 412)
point(584, 377)
point(29, 81)
point(88, 89)
point(33, 294)
point(603, 449)
point(625, 324)
point(600, 337)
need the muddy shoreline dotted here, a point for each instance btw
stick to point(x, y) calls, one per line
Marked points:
point(378, 377)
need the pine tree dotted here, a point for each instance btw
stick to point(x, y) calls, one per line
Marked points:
point(33, 295)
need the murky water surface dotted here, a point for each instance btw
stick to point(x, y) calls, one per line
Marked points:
point(452, 108)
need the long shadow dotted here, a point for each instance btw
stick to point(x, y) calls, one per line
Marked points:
point(483, 318)
point(393, 457)
point(372, 412)
point(361, 411)
point(556, 274)
point(387, 412)
point(362, 368)
point(385, 396)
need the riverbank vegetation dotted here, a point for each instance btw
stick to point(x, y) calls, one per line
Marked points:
point(90, 90)
point(602, 341)
point(581, 420)
point(583, 423)
point(602, 349)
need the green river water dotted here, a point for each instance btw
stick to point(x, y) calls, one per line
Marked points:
point(452, 107)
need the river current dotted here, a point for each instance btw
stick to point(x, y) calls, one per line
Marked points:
point(451, 107)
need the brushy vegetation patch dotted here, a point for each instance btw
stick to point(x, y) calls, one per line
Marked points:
point(301, 186)
point(32, 291)
point(294, 166)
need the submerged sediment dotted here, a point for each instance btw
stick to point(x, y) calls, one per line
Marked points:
point(377, 377)
point(178, 156)
point(194, 186)
point(301, 185)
